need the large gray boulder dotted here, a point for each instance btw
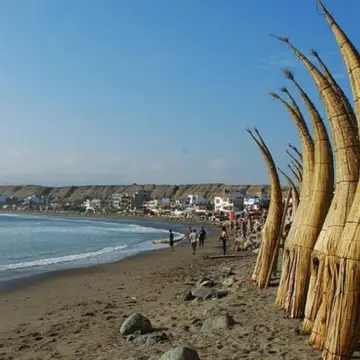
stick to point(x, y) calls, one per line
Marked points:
point(136, 323)
point(180, 353)
point(223, 321)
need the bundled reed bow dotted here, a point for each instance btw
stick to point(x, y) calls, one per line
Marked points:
point(346, 147)
point(271, 229)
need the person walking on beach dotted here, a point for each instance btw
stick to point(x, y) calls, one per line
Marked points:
point(193, 240)
point(244, 228)
point(224, 239)
point(171, 240)
point(202, 237)
point(189, 233)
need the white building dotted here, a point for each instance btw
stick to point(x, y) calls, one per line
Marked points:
point(152, 204)
point(232, 200)
point(221, 203)
point(252, 202)
point(2, 199)
point(194, 200)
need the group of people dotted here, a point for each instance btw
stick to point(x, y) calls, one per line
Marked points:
point(193, 236)
point(198, 237)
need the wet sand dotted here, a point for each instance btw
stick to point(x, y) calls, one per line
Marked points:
point(76, 314)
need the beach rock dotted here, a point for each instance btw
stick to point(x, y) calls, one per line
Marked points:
point(136, 322)
point(228, 282)
point(187, 296)
point(227, 271)
point(256, 251)
point(221, 294)
point(205, 293)
point(150, 339)
point(180, 353)
point(223, 321)
point(204, 281)
point(208, 283)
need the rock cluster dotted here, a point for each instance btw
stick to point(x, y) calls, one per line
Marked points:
point(139, 330)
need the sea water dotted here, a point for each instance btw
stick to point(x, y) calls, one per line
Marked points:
point(33, 245)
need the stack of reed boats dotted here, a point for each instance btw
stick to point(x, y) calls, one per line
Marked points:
point(320, 275)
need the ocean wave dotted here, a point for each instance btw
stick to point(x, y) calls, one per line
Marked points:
point(91, 229)
point(61, 259)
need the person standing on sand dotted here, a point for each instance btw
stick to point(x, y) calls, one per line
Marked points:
point(202, 237)
point(224, 238)
point(193, 238)
point(171, 240)
point(189, 233)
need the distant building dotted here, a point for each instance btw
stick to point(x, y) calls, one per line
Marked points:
point(2, 199)
point(32, 200)
point(194, 200)
point(139, 198)
point(231, 200)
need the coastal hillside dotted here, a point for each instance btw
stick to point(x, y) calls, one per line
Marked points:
point(73, 193)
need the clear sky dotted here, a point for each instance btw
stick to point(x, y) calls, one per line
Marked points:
point(153, 91)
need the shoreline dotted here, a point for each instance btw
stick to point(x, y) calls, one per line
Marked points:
point(76, 314)
point(18, 283)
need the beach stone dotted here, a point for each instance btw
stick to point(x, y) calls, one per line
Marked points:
point(228, 282)
point(221, 294)
point(136, 322)
point(187, 296)
point(180, 353)
point(208, 283)
point(256, 251)
point(204, 280)
point(227, 271)
point(223, 321)
point(205, 293)
point(150, 339)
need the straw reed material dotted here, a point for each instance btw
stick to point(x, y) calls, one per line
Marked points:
point(308, 166)
point(336, 86)
point(346, 148)
point(297, 177)
point(296, 161)
point(294, 193)
point(271, 229)
point(337, 325)
point(318, 206)
point(350, 55)
point(294, 148)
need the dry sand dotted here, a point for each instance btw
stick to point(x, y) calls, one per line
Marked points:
point(77, 314)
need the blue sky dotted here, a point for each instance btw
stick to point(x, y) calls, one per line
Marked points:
point(153, 91)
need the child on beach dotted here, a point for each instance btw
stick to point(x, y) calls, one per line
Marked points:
point(224, 239)
point(193, 238)
point(171, 240)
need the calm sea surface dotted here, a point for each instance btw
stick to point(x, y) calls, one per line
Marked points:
point(32, 245)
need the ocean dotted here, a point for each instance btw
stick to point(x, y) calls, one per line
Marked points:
point(33, 245)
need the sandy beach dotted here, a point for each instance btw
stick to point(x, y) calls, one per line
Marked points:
point(77, 314)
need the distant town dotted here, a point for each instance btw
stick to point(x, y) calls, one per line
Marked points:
point(141, 203)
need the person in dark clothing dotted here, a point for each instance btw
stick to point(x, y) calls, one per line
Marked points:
point(202, 237)
point(224, 239)
point(171, 240)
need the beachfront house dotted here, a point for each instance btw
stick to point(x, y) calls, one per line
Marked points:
point(139, 198)
point(231, 200)
point(2, 199)
point(32, 200)
point(115, 200)
point(252, 202)
point(194, 200)
point(152, 204)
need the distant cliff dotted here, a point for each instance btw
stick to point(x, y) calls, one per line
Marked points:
point(72, 193)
